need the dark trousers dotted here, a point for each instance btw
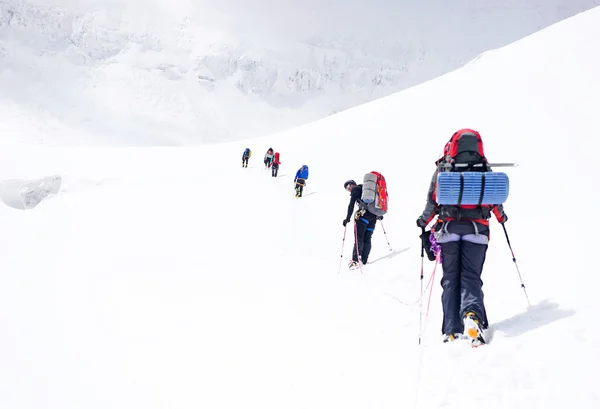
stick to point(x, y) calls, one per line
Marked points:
point(300, 183)
point(274, 169)
point(245, 161)
point(362, 237)
point(462, 262)
point(268, 163)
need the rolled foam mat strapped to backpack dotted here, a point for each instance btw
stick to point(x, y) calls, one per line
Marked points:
point(472, 188)
point(369, 188)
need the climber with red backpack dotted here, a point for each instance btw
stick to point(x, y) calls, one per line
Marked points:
point(461, 231)
point(372, 198)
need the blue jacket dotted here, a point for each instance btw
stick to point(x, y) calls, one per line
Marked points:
point(302, 173)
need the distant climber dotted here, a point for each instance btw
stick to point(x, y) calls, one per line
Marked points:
point(300, 180)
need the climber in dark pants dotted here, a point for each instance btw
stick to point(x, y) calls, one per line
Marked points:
point(365, 224)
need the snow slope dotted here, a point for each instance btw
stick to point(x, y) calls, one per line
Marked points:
point(173, 278)
point(156, 72)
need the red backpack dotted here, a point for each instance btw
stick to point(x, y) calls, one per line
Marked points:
point(375, 194)
point(277, 158)
point(464, 152)
point(382, 193)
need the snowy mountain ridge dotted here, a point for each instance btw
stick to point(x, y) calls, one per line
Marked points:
point(198, 72)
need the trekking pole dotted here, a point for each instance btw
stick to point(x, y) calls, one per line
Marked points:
point(342, 255)
point(386, 237)
point(516, 265)
point(421, 292)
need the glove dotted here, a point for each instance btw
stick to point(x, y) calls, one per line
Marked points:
point(427, 245)
point(504, 219)
point(345, 222)
point(379, 217)
point(421, 223)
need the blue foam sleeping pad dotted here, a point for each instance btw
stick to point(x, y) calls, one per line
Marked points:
point(449, 192)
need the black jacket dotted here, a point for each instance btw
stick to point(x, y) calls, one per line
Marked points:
point(355, 196)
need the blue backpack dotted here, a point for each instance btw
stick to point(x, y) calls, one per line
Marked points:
point(302, 172)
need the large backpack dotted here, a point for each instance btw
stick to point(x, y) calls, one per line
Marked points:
point(464, 153)
point(302, 172)
point(375, 194)
point(469, 194)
